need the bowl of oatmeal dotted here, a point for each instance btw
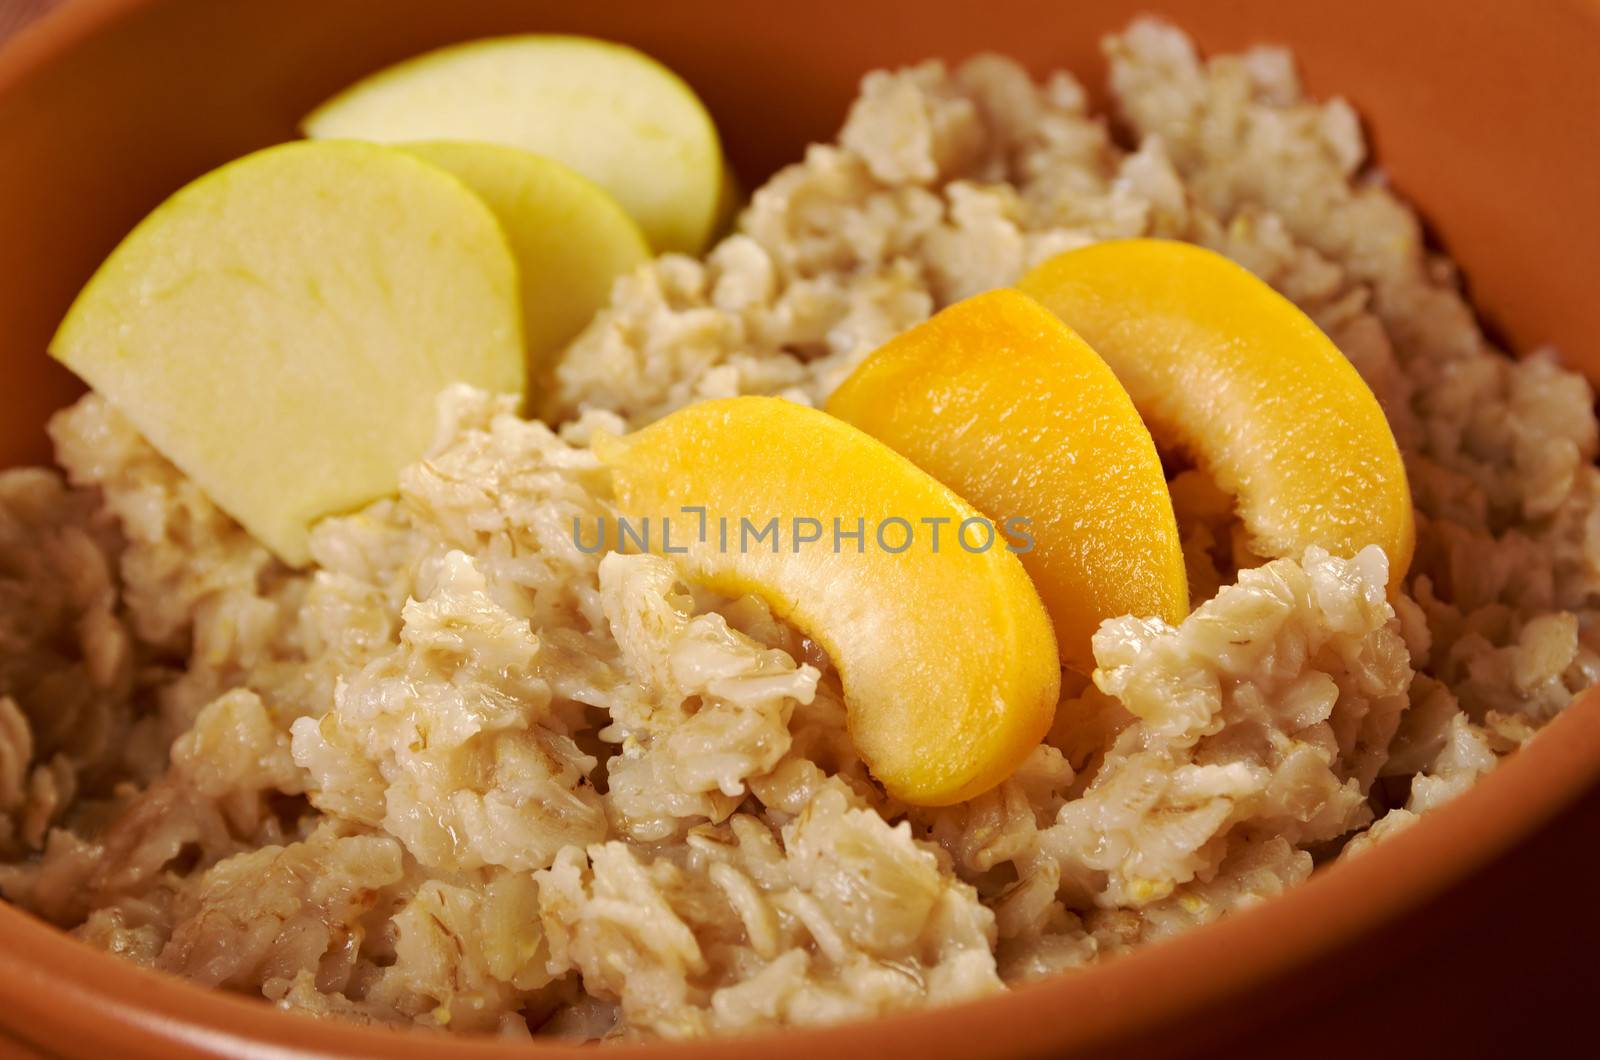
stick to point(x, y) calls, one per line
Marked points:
point(440, 748)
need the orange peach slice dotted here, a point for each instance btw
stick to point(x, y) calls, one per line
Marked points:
point(1227, 369)
point(1003, 403)
point(946, 655)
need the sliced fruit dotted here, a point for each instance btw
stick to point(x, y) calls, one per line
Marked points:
point(1225, 368)
point(280, 328)
point(613, 114)
point(571, 240)
point(1000, 401)
point(946, 656)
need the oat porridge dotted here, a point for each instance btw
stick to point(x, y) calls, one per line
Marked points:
point(461, 767)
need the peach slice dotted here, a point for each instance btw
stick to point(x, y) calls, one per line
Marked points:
point(1228, 370)
point(1003, 403)
point(946, 655)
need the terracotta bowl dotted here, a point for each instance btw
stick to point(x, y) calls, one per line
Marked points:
point(1486, 114)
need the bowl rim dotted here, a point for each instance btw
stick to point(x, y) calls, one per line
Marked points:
point(45, 996)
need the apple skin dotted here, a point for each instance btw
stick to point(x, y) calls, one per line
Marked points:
point(571, 240)
point(606, 110)
point(280, 329)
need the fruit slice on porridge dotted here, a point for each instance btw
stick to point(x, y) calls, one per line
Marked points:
point(1224, 368)
point(281, 328)
point(613, 114)
point(946, 655)
point(1000, 401)
point(571, 240)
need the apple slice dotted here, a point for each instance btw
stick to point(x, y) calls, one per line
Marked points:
point(280, 328)
point(613, 114)
point(570, 238)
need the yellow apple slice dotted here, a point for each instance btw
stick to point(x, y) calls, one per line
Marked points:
point(946, 655)
point(1000, 401)
point(613, 114)
point(280, 328)
point(1227, 369)
point(571, 240)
